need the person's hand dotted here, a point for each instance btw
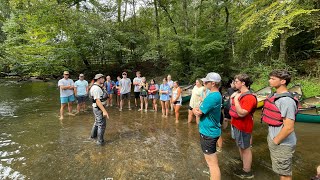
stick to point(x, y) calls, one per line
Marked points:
point(105, 114)
point(196, 111)
point(275, 142)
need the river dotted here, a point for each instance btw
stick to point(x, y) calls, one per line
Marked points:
point(35, 144)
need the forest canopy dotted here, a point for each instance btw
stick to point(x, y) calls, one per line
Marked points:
point(187, 38)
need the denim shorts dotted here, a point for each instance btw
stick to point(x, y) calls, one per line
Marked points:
point(65, 100)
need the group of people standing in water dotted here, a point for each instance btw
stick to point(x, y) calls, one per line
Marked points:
point(279, 113)
point(205, 105)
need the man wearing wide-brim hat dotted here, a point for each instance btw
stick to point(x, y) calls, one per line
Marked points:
point(99, 111)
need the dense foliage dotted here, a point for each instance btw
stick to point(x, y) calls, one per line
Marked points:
point(187, 38)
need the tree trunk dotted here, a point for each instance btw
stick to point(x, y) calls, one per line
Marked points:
point(119, 10)
point(125, 11)
point(185, 10)
point(157, 18)
point(134, 13)
point(169, 16)
point(283, 46)
point(155, 3)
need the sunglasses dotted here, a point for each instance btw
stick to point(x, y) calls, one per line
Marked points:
point(66, 74)
point(124, 74)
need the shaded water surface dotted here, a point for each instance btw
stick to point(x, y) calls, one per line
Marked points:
point(34, 144)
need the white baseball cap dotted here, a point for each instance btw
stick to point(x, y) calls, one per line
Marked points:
point(97, 76)
point(214, 77)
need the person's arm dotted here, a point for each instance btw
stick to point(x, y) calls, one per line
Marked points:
point(120, 85)
point(87, 89)
point(71, 86)
point(146, 86)
point(288, 128)
point(75, 90)
point(196, 111)
point(104, 111)
point(135, 82)
point(62, 87)
point(157, 88)
point(161, 90)
point(207, 105)
point(240, 111)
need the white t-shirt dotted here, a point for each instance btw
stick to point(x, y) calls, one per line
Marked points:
point(65, 82)
point(136, 87)
point(96, 93)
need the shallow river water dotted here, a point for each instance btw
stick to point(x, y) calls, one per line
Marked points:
point(35, 144)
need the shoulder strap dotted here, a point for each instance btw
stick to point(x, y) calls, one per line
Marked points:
point(247, 93)
point(287, 94)
point(97, 85)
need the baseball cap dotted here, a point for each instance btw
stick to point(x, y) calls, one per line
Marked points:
point(97, 76)
point(214, 77)
point(66, 72)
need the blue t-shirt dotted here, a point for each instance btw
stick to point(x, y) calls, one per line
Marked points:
point(81, 87)
point(210, 120)
point(109, 86)
point(164, 97)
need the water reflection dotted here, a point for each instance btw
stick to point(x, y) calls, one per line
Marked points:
point(9, 155)
point(36, 145)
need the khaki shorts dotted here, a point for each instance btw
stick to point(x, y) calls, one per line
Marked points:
point(281, 157)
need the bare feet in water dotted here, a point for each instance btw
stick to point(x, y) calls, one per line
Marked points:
point(71, 114)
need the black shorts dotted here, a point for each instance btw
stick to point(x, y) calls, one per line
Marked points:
point(137, 95)
point(81, 99)
point(226, 113)
point(125, 96)
point(208, 144)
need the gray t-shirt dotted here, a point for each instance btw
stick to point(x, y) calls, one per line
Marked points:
point(65, 82)
point(96, 93)
point(136, 87)
point(287, 107)
point(170, 83)
point(125, 85)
